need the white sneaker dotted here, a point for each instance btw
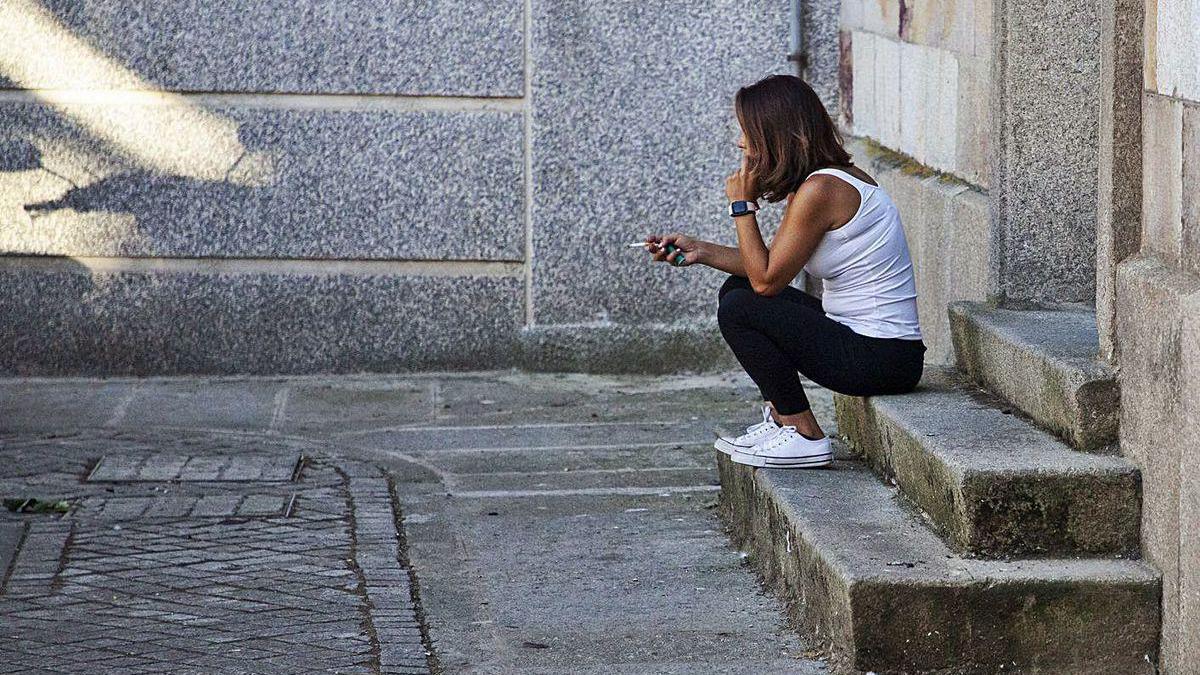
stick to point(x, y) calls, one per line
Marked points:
point(755, 434)
point(787, 449)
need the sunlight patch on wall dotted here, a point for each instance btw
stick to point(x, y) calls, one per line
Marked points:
point(160, 131)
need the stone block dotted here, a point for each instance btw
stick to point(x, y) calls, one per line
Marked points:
point(1119, 212)
point(821, 32)
point(947, 24)
point(967, 264)
point(982, 11)
point(1050, 55)
point(882, 593)
point(1189, 185)
point(1162, 177)
point(624, 348)
point(851, 15)
point(192, 181)
point(65, 318)
point(927, 238)
point(947, 225)
point(864, 106)
point(991, 483)
point(443, 47)
point(942, 110)
point(880, 16)
point(887, 92)
point(634, 97)
point(1177, 48)
point(1044, 363)
point(1151, 300)
point(1189, 488)
point(918, 74)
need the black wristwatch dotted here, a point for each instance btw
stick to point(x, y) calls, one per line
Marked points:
point(742, 208)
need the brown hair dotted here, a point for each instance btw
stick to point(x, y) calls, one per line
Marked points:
point(788, 134)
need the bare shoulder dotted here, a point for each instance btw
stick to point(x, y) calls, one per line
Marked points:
point(822, 191)
point(827, 199)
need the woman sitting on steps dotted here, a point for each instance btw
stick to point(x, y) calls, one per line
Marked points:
point(861, 338)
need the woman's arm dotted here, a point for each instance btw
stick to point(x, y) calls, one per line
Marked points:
point(807, 218)
point(698, 252)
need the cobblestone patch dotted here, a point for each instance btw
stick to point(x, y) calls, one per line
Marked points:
point(165, 565)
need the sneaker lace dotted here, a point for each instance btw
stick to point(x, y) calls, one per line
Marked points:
point(767, 423)
point(785, 434)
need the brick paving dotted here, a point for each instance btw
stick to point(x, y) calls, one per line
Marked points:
point(201, 552)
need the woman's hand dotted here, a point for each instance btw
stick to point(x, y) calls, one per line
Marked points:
point(692, 249)
point(740, 186)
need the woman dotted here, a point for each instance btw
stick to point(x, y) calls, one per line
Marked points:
point(862, 337)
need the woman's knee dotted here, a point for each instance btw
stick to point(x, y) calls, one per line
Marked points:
point(732, 305)
point(732, 283)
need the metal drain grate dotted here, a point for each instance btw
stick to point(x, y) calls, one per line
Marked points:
point(163, 467)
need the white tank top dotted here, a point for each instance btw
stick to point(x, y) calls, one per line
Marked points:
point(866, 269)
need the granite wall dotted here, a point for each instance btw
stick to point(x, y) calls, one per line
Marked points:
point(317, 186)
point(1157, 321)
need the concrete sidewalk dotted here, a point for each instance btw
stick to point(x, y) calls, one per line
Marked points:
point(494, 522)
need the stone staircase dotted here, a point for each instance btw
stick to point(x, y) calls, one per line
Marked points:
point(1004, 536)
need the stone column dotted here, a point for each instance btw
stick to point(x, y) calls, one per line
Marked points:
point(1119, 211)
point(1046, 82)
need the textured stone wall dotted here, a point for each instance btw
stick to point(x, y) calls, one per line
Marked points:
point(1157, 323)
point(916, 86)
point(190, 187)
point(1047, 119)
point(920, 80)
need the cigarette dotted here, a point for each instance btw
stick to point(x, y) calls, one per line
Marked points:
point(640, 244)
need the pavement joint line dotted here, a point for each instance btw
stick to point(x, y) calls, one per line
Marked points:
point(435, 396)
point(122, 407)
point(587, 471)
point(613, 446)
point(12, 562)
point(589, 492)
point(279, 409)
point(448, 479)
point(414, 584)
point(500, 427)
point(365, 607)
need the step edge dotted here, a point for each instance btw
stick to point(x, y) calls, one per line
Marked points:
point(1060, 450)
point(1089, 366)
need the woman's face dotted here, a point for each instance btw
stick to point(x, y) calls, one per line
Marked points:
point(741, 142)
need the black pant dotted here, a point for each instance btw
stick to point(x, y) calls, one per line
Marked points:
point(773, 337)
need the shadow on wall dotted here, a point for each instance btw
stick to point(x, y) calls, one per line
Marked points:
point(102, 142)
point(89, 154)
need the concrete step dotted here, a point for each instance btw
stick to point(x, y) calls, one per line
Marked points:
point(861, 571)
point(992, 483)
point(1044, 363)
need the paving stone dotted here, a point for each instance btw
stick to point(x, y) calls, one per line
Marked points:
point(259, 592)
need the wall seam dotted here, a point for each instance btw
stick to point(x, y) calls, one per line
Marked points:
point(265, 100)
point(234, 266)
point(528, 146)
